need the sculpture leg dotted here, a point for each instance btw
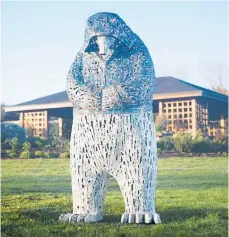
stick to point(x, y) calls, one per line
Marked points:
point(138, 174)
point(138, 191)
point(88, 193)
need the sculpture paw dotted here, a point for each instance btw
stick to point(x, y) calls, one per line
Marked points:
point(141, 218)
point(87, 218)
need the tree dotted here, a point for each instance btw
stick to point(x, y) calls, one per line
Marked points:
point(160, 123)
point(220, 89)
point(217, 75)
point(9, 130)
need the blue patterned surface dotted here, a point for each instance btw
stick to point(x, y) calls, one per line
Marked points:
point(124, 82)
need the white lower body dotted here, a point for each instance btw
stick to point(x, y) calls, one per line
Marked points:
point(120, 145)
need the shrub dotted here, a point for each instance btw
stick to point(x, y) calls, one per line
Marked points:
point(11, 153)
point(64, 155)
point(220, 144)
point(10, 130)
point(182, 142)
point(26, 146)
point(201, 143)
point(25, 154)
point(47, 154)
point(39, 153)
point(5, 144)
point(48, 146)
point(38, 144)
point(13, 142)
point(158, 150)
point(50, 155)
point(36, 141)
point(201, 146)
point(165, 144)
point(60, 143)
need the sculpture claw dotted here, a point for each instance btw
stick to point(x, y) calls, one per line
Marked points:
point(141, 218)
point(73, 218)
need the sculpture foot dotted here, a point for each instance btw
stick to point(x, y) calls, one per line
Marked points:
point(87, 218)
point(141, 218)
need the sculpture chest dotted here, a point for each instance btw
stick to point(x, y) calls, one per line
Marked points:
point(102, 73)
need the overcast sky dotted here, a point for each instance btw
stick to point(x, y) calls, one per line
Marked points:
point(187, 40)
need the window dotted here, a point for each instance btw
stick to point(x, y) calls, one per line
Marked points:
point(185, 110)
point(190, 109)
point(180, 104)
point(185, 103)
point(180, 110)
point(169, 116)
point(169, 105)
point(175, 116)
point(190, 115)
point(185, 115)
point(190, 102)
point(174, 104)
point(169, 110)
point(180, 115)
point(174, 110)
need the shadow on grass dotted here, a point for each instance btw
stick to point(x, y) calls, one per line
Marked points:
point(47, 215)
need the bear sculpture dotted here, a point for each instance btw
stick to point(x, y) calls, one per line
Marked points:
point(111, 84)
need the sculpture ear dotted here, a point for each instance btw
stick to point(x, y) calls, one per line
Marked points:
point(92, 46)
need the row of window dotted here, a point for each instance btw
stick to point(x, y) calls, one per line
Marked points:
point(171, 127)
point(34, 120)
point(34, 114)
point(180, 110)
point(175, 116)
point(175, 104)
point(185, 121)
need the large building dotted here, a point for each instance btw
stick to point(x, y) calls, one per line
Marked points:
point(185, 106)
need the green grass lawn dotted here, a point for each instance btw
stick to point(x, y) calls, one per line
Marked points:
point(191, 199)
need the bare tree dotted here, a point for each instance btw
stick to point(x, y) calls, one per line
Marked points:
point(215, 75)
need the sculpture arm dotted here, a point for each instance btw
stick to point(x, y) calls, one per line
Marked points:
point(135, 89)
point(82, 96)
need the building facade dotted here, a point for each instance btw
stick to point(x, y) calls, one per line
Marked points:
point(184, 106)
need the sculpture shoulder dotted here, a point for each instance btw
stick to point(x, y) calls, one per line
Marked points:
point(139, 52)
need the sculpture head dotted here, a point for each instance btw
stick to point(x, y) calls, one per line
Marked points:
point(105, 32)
